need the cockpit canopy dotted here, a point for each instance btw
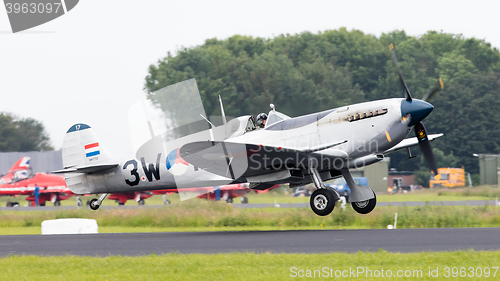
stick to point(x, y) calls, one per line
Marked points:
point(275, 117)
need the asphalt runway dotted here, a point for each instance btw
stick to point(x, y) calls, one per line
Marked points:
point(264, 205)
point(307, 241)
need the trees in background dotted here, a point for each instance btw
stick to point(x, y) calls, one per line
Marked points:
point(22, 134)
point(305, 73)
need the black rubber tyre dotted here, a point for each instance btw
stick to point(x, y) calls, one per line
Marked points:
point(365, 207)
point(92, 206)
point(229, 200)
point(167, 202)
point(322, 202)
point(244, 200)
point(141, 202)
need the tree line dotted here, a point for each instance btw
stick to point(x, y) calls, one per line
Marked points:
point(22, 134)
point(306, 72)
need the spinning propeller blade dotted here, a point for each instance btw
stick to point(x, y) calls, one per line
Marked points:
point(401, 77)
point(425, 146)
point(439, 86)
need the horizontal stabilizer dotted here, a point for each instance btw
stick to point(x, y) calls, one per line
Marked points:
point(87, 169)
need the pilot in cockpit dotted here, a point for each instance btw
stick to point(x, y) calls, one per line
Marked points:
point(261, 120)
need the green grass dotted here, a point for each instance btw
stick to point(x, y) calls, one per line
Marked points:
point(216, 216)
point(244, 266)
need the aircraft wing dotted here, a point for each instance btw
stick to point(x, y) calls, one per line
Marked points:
point(409, 143)
point(235, 160)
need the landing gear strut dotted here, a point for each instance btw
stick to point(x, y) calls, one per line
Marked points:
point(323, 199)
point(96, 203)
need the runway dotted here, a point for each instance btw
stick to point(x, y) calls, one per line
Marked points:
point(311, 241)
point(265, 205)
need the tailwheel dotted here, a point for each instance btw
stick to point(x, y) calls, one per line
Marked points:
point(365, 207)
point(322, 202)
point(93, 204)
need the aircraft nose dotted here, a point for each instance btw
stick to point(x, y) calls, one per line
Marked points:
point(418, 109)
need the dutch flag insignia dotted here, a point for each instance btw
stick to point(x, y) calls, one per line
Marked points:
point(92, 149)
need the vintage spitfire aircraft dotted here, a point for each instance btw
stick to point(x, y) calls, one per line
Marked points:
point(192, 152)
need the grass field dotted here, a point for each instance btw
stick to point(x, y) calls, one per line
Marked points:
point(252, 266)
point(200, 215)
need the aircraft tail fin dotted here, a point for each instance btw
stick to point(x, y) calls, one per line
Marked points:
point(21, 164)
point(82, 153)
point(81, 147)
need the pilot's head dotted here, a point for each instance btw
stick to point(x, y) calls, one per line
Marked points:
point(261, 120)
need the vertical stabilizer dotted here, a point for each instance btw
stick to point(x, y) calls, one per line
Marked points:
point(21, 164)
point(81, 148)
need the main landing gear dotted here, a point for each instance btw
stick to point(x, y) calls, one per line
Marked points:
point(323, 199)
point(96, 203)
point(364, 207)
point(362, 198)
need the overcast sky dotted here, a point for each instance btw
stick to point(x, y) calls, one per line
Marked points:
point(89, 65)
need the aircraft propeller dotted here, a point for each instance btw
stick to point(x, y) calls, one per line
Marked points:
point(417, 110)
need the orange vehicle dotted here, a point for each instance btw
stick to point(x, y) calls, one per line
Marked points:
point(448, 177)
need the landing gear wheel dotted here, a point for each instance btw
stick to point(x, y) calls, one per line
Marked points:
point(229, 200)
point(141, 202)
point(365, 207)
point(57, 203)
point(322, 202)
point(244, 200)
point(93, 204)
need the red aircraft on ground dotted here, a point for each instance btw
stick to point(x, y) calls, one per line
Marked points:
point(226, 192)
point(20, 180)
point(223, 192)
